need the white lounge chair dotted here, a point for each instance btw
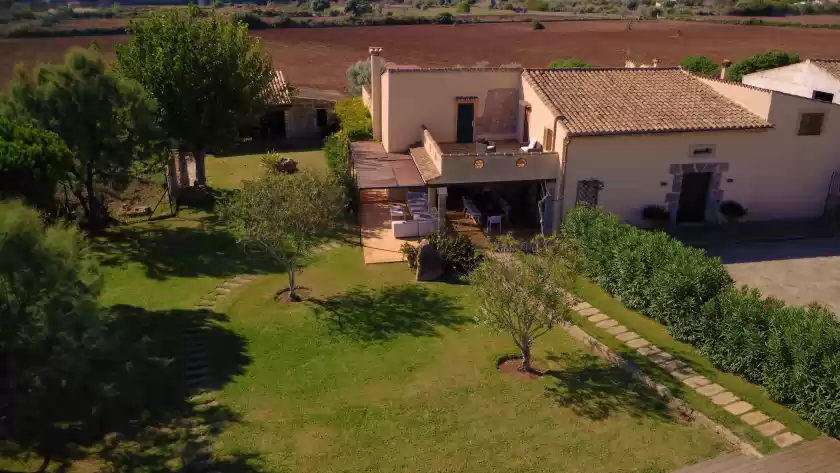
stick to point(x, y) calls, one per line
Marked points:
point(494, 220)
point(532, 146)
point(397, 213)
point(474, 214)
point(424, 227)
point(405, 229)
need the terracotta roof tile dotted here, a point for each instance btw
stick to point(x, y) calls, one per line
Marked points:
point(636, 100)
point(278, 91)
point(832, 66)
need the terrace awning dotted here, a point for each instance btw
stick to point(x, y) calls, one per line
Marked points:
point(377, 169)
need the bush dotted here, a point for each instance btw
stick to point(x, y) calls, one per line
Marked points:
point(700, 65)
point(794, 352)
point(409, 252)
point(732, 211)
point(253, 20)
point(537, 26)
point(337, 152)
point(761, 62)
point(463, 7)
point(354, 118)
point(457, 251)
point(445, 18)
point(568, 64)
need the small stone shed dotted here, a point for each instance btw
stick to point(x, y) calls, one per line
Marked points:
point(304, 114)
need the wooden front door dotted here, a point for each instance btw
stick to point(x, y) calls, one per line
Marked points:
point(693, 197)
point(466, 115)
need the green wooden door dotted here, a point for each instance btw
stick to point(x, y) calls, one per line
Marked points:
point(466, 113)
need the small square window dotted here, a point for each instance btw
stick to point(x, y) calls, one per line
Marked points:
point(824, 96)
point(810, 124)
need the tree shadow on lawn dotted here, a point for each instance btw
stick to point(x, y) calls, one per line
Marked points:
point(596, 390)
point(382, 314)
point(168, 251)
point(138, 413)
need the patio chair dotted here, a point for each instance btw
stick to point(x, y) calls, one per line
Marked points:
point(467, 202)
point(474, 214)
point(494, 220)
point(532, 146)
point(505, 208)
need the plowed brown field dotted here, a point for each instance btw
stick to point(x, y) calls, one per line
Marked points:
point(319, 57)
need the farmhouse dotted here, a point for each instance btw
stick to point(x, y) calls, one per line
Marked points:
point(813, 78)
point(530, 144)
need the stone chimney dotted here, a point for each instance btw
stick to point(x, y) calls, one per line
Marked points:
point(376, 91)
point(724, 69)
point(655, 62)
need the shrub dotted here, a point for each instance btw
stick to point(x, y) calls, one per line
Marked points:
point(732, 211)
point(335, 13)
point(445, 18)
point(253, 20)
point(761, 62)
point(700, 65)
point(463, 7)
point(337, 152)
point(568, 64)
point(537, 26)
point(354, 118)
point(457, 251)
point(409, 252)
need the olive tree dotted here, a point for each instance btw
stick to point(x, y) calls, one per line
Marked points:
point(286, 215)
point(208, 75)
point(358, 75)
point(107, 122)
point(523, 295)
point(761, 62)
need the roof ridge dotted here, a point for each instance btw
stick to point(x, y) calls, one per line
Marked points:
point(820, 59)
point(598, 69)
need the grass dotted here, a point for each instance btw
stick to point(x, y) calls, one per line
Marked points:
point(658, 335)
point(228, 172)
point(397, 370)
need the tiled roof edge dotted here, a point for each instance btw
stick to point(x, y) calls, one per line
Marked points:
point(760, 89)
point(596, 69)
point(458, 69)
point(674, 130)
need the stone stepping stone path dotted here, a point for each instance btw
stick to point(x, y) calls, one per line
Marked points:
point(731, 403)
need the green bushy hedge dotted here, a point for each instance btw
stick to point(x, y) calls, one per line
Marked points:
point(354, 118)
point(794, 352)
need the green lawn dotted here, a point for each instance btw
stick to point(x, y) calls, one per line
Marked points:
point(228, 172)
point(658, 335)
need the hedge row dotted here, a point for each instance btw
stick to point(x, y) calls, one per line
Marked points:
point(356, 125)
point(794, 352)
point(354, 118)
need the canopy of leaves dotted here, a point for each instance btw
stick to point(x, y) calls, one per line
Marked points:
point(700, 65)
point(320, 5)
point(206, 72)
point(761, 62)
point(32, 162)
point(107, 122)
point(569, 64)
point(358, 7)
point(463, 7)
point(49, 325)
point(358, 75)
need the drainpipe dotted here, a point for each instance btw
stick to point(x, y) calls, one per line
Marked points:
point(560, 186)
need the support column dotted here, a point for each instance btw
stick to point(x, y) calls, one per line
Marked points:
point(432, 198)
point(558, 204)
point(376, 91)
point(442, 193)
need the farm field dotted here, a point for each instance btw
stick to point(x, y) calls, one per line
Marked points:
point(319, 57)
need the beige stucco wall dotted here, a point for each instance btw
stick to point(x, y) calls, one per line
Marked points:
point(366, 98)
point(800, 79)
point(541, 118)
point(757, 101)
point(775, 173)
point(414, 98)
point(498, 168)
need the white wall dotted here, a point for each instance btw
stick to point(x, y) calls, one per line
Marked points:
point(798, 79)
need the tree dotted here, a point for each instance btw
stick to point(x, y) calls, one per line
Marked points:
point(32, 163)
point(107, 122)
point(359, 74)
point(284, 216)
point(50, 326)
point(761, 62)
point(569, 64)
point(358, 7)
point(463, 7)
point(522, 295)
point(206, 73)
point(320, 5)
point(700, 65)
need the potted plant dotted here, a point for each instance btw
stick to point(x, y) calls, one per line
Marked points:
point(655, 216)
point(732, 211)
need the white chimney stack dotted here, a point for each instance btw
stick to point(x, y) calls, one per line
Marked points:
point(724, 69)
point(655, 62)
point(376, 91)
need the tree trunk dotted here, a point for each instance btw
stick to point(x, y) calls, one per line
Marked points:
point(292, 294)
point(526, 359)
point(200, 175)
point(94, 209)
point(45, 463)
point(183, 171)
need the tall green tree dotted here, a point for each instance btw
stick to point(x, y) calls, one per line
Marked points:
point(523, 296)
point(358, 75)
point(207, 74)
point(569, 64)
point(32, 163)
point(700, 65)
point(286, 215)
point(761, 62)
point(50, 326)
point(107, 122)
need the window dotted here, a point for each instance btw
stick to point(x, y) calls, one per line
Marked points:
point(810, 124)
point(548, 139)
point(824, 96)
point(702, 151)
point(321, 117)
point(587, 191)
